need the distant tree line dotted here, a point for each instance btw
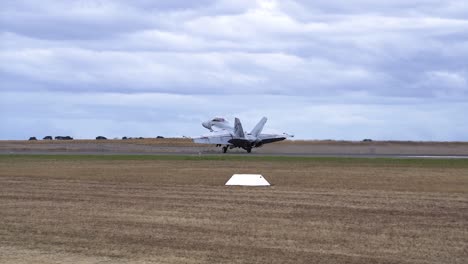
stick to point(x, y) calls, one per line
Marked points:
point(56, 138)
point(97, 138)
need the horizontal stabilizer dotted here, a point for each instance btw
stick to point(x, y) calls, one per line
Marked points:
point(271, 140)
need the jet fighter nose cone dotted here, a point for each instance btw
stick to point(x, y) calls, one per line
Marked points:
point(206, 125)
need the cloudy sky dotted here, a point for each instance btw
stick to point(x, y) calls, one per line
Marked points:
point(394, 70)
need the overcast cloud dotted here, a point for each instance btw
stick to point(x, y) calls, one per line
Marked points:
point(356, 69)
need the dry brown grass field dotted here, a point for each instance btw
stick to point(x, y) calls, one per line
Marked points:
point(175, 209)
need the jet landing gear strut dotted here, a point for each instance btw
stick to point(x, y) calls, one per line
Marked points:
point(225, 149)
point(248, 150)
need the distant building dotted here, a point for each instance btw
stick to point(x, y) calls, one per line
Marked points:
point(32, 138)
point(47, 138)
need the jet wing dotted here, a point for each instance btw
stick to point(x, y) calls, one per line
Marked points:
point(215, 139)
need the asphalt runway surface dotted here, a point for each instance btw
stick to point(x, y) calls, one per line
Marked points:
point(338, 155)
point(429, 150)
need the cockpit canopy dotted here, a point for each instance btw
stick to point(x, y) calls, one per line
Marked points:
point(218, 119)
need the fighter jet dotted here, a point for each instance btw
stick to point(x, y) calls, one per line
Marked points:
point(235, 137)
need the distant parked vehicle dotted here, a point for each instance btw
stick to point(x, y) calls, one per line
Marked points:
point(367, 140)
point(47, 138)
point(63, 138)
point(32, 138)
point(100, 138)
point(124, 138)
point(159, 137)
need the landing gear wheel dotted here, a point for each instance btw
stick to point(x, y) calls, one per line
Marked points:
point(225, 149)
point(249, 150)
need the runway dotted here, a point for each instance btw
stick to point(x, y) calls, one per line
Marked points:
point(317, 155)
point(423, 150)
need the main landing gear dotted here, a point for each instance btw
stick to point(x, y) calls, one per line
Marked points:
point(225, 149)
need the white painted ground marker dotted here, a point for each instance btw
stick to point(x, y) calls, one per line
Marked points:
point(247, 180)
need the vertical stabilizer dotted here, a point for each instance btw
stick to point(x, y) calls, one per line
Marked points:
point(259, 127)
point(238, 130)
